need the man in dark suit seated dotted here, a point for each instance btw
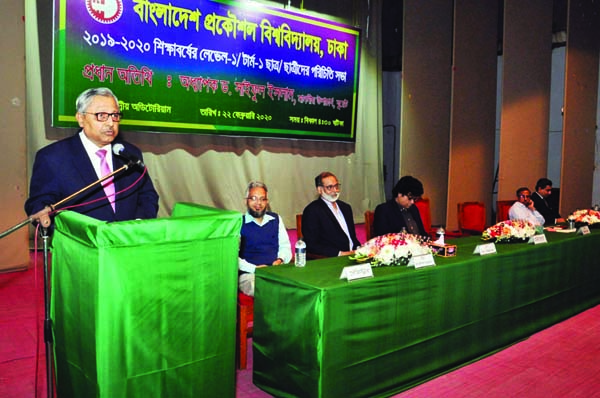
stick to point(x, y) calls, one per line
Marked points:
point(543, 189)
point(66, 166)
point(398, 213)
point(327, 223)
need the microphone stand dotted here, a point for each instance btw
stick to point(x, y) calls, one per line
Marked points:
point(53, 207)
point(48, 340)
point(44, 234)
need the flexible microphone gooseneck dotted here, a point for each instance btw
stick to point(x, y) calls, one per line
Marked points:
point(119, 150)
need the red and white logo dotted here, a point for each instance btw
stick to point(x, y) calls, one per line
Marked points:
point(105, 11)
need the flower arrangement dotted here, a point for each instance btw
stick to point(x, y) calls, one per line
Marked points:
point(392, 249)
point(510, 231)
point(587, 216)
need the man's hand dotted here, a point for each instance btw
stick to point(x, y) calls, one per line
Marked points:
point(42, 217)
point(277, 262)
point(346, 253)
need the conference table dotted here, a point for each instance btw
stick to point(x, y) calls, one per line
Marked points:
point(316, 335)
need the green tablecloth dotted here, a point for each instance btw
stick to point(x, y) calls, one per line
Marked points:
point(146, 308)
point(318, 336)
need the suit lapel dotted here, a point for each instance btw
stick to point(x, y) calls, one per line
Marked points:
point(81, 162)
point(118, 181)
point(334, 218)
point(329, 213)
point(344, 211)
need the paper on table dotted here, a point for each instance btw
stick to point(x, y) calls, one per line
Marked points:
point(562, 230)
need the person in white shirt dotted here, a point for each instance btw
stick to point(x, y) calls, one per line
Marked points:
point(264, 239)
point(524, 209)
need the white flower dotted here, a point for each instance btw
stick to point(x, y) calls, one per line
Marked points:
point(587, 216)
point(506, 231)
point(392, 249)
point(387, 254)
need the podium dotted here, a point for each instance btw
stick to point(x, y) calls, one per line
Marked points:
point(146, 308)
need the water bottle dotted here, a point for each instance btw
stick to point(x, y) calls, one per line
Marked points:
point(300, 253)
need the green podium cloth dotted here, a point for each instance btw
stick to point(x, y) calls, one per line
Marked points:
point(146, 308)
point(318, 336)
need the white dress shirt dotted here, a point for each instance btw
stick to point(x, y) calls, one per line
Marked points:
point(519, 211)
point(91, 149)
point(341, 220)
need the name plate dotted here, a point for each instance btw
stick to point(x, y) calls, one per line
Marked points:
point(424, 260)
point(360, 271)
point(443, 250)
point(485, 249)
point(583, 230)
point(538, 239)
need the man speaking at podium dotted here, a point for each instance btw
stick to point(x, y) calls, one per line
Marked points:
point(66, 166)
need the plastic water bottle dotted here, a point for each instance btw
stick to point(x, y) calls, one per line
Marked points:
point(300, 253)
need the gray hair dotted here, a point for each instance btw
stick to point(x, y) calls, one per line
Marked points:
point(84, 100)
point(256, 184)
point(319, 178)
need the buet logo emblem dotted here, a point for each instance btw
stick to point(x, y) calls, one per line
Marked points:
point(105, 11)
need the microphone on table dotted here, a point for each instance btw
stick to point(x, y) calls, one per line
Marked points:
point(119, 150)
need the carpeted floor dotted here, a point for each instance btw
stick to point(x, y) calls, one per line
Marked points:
point(561, 361)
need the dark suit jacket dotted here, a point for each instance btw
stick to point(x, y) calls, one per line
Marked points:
point(322, 232)
point(541, 205)
point(388, 219)
point(63, 168)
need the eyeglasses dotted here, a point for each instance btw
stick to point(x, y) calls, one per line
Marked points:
point(413, 198)
point(525, 196)
point(103, 116)
point(257, 199)
point(332, 187)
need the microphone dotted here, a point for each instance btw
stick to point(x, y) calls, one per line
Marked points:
point(119, 150)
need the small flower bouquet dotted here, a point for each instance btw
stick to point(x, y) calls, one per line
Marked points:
point(509, 231)
point(587, 216)
point(392, 249)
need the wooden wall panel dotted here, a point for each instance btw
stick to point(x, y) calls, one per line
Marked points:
point(525, 95)
point(425, 116)
point(581, 96)
point(473, 121)
point(14, 247)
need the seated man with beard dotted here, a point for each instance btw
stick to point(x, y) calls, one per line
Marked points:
point(327, 223)
point(264, 239)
